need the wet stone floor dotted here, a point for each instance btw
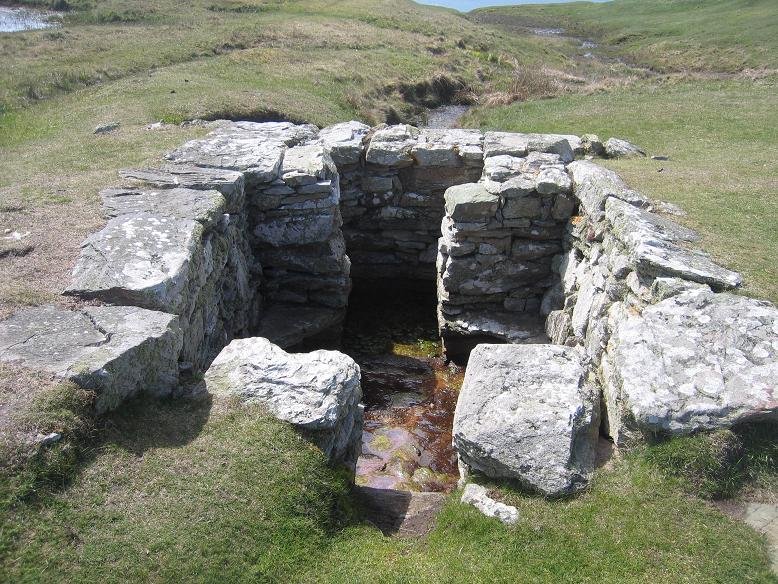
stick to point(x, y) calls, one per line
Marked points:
point(409, 391)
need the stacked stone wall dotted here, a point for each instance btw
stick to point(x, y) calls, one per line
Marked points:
point(256, 229)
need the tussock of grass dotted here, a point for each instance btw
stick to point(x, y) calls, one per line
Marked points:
point(710, 465)
point(32, 406)
point(722, 464)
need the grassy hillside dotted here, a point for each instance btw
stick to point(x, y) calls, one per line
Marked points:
point(721, 140)
point(666, 35)
point(201, 491)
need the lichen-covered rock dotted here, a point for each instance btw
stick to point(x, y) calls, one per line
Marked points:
point(525, 412)
point(392, 145)
point(448, 148)
point(318, 391)
point(497, 143)
point(478, 497)
point(140, 259)
point(117, 351)
point(344, 142)
point(204, 206)
point(652, 244)
point(591, 144)
point(553, 181)
point(255, 149)
point(695, 361)
point(471, 202)
point(593, 185)
point(229, 183)
point(307, 165)
point(617, 148)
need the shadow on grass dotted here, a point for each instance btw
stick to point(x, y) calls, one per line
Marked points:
point(145, 423)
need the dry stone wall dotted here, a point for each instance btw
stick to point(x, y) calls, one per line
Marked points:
point(257, 230)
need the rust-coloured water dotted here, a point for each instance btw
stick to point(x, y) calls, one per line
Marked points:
point(409, 392)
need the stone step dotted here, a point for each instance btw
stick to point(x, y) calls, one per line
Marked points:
point(400, 513)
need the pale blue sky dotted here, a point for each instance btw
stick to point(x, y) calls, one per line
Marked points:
point(465, 5)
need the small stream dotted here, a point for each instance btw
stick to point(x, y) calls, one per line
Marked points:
point(445, 116)
point(409, 392)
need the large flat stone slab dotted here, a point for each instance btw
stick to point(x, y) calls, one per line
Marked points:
point(525, 412)
point(289, 325)
point(593, 185)
point(654, 246)
point(117, 351)
point(143, 260)
point(255, 149)
point(205, 207)
point(695, 361)
point(515, 144)
point(229, 183)
point(318, 391)
point(448, 148)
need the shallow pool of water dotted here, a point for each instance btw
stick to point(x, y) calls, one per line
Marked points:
point(409, 392)
point(16, 19)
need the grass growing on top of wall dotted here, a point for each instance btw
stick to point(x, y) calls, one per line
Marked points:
point(191, 491)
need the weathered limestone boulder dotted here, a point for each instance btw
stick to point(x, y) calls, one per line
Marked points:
point(478, 497)
point(525, 412)
point(616, 148)
point(594, 184)
point(695, 361)
point(497, 143)
point(318, 392)
point(229, 183)
point(392, 145)
point(653, 247)
point(117, 351)
point(344, 142)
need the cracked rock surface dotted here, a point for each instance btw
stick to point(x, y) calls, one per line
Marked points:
point(526, 413)
point(318, 391)
point(117, 351)
point(695, 361)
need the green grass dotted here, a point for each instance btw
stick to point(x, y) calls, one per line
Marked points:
point(201, 491)
point(722, 144)
point(191, 491)
point(666, 35)
point(34, 406)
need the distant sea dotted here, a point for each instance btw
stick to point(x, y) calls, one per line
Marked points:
point(467, 5)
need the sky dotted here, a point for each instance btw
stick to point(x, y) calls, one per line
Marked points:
point(466, 5)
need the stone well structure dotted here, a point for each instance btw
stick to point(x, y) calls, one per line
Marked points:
point(257, 229)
